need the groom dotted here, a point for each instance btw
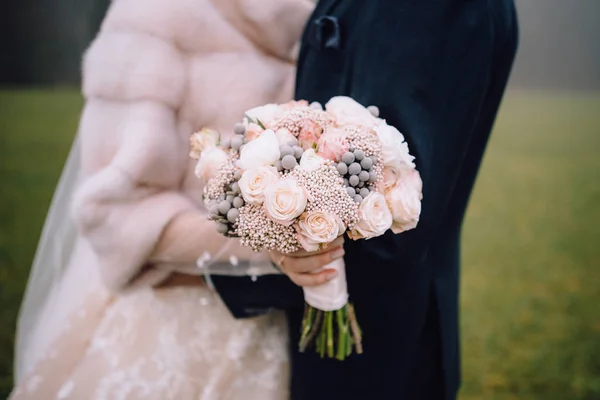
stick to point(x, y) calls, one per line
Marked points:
point(437, 70)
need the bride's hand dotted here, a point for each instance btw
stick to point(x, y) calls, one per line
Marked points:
point(301, 266)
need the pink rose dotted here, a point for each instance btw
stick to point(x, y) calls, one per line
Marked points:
point(309, 135)
point(332, 144)
point(253, 131)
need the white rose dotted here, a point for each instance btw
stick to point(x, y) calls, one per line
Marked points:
point(310, 160)
point(202, 140)
point(404, 200)
point(266, 114)
point(254, 182)
point(211, 160)
point(284, 136)
point(374, 217)
point(393, 147)
point(285, 200)
point(264, 150)
point(348, 111)
point(317, 227)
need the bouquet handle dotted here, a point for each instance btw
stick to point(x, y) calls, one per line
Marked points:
point(329, 321)
point(332, 295)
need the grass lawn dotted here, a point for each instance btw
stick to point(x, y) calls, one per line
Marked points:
point(530, 287)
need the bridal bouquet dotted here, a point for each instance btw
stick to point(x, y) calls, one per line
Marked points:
point(295, 176)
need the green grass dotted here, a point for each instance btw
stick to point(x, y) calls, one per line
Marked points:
point(36, 129)
point(530, 288)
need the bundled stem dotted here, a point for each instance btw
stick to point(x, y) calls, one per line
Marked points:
point(356, 334)
point(310, 336)
point(330, 350)
point(334, 333)
point(342, 335)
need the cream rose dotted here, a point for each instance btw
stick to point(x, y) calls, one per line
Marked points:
point(211, 160)
point(348, 111)
point(310, 160)
point(404, 201)
point(393, 147)
point(254, 182)
point(266, 114)
point(374, 217)
point(202, 140)
point(262, 151)
point(284, 201)
point(317, 227)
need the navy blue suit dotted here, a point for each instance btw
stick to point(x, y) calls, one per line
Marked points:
point(437, 70)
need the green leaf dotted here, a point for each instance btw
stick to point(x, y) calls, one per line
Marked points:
point(260, 124)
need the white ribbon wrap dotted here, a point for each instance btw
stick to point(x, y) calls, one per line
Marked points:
point(333, 295)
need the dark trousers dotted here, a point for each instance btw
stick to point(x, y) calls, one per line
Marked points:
point(426, 380)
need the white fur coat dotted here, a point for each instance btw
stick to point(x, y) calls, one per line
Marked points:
point(158, 70)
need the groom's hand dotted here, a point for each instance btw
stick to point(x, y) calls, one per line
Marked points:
point(304, 268)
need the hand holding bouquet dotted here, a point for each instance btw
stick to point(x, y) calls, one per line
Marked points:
point(295, 176)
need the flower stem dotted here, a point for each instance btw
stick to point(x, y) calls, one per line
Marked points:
point(356, 333)
point(322, 341)
point(306, 340)
point(307, 323)
point(330, 348)
point(342, 333)
point(318, 344)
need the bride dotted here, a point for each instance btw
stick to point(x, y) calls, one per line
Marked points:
point(116, 307)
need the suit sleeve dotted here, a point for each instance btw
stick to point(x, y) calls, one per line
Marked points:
point(248, 297)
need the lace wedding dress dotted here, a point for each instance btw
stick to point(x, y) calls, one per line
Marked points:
point(173, 343)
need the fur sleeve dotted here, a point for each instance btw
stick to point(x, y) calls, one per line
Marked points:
point(132, 154)
point(273, 26)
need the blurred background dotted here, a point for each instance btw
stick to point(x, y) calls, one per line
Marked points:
point(531, 256)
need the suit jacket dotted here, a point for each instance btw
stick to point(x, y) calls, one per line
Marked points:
point(437, 71)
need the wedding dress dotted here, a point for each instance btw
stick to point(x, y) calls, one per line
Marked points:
point(162, 344)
